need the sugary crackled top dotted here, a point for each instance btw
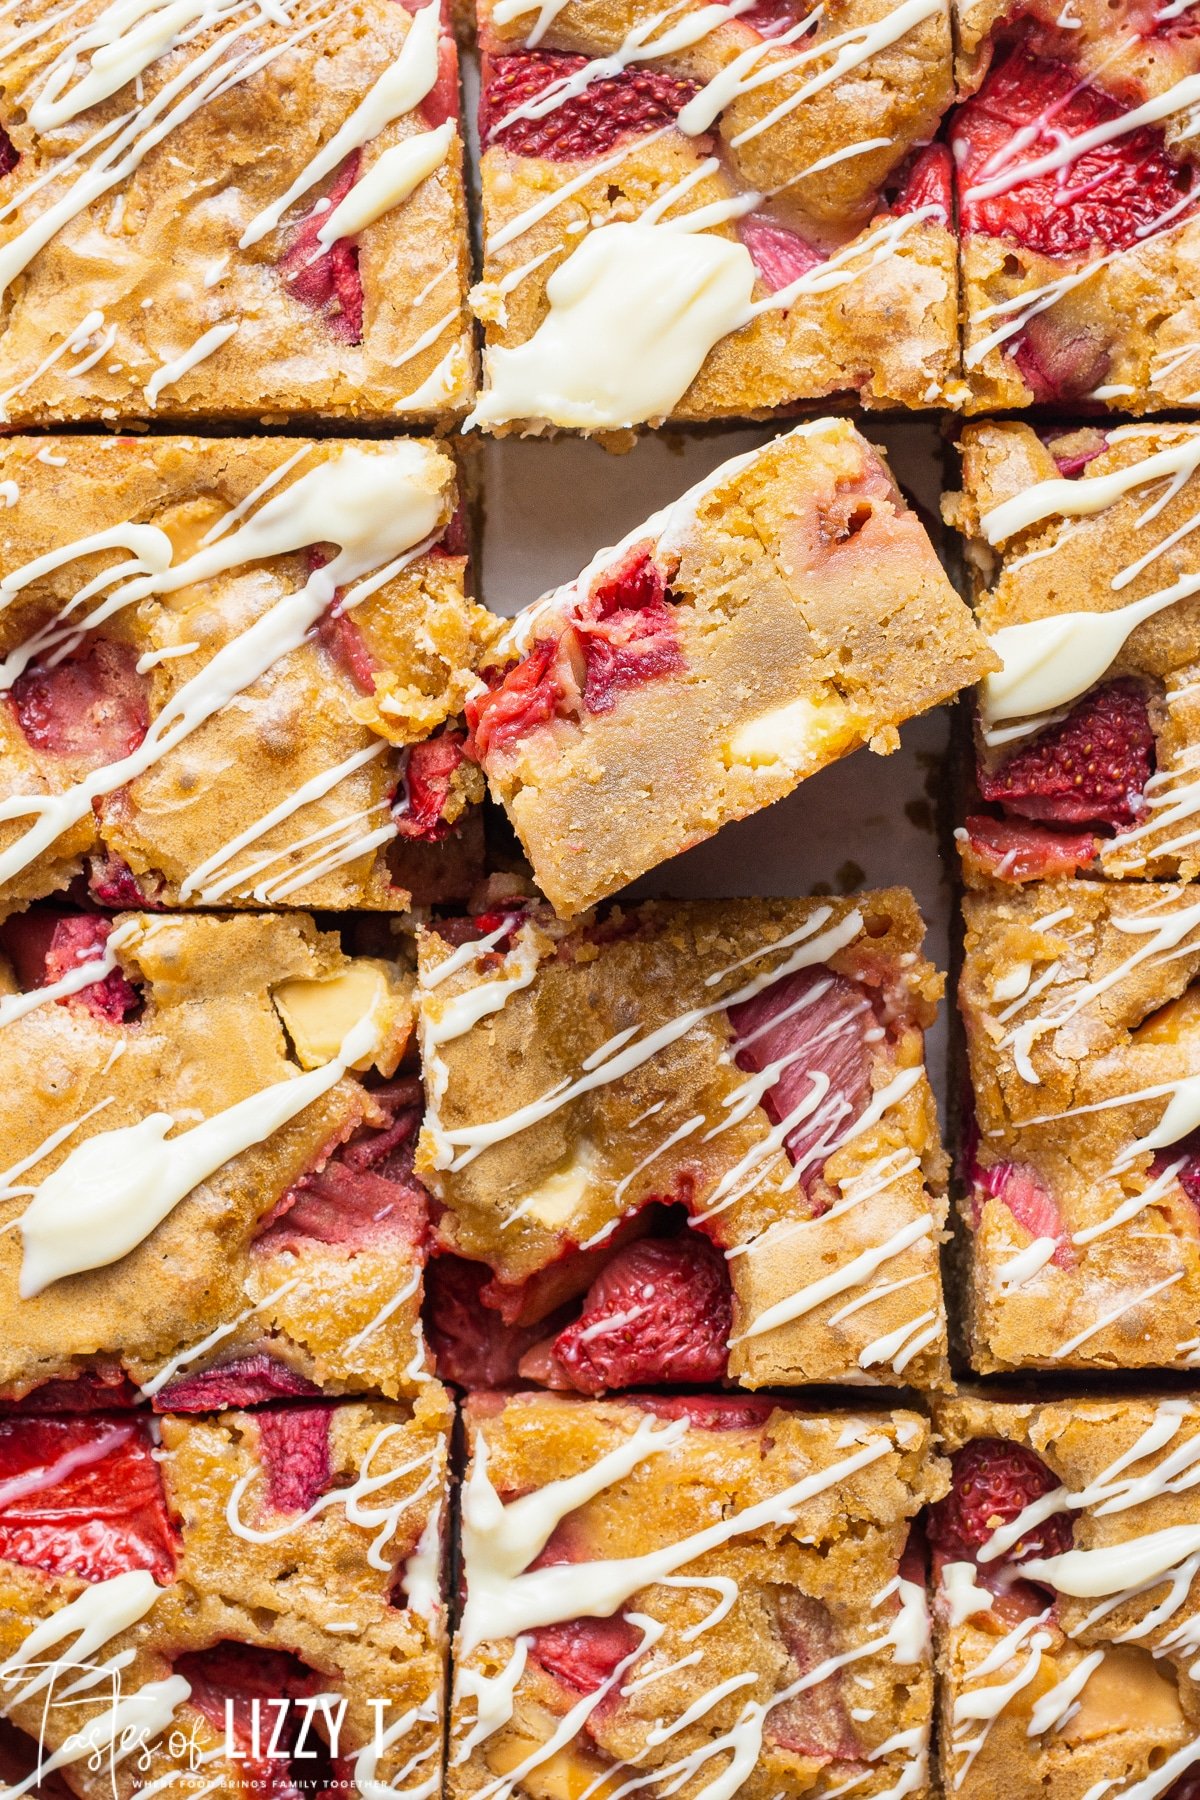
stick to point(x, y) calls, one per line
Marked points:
point(141, 273)
point(216, 655)
point(254, 1555)
point(821, 214)
point(1086, 1674)
point(186, 1076)
point(759, 1065)
point(768, 1540)
point(1088, 586)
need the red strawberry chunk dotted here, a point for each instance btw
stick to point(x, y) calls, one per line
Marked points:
point(779, 256)
point(928, 182)
point(1031, 1204)
point(1186, 1788)
point(46, 946)
point(662, 1310)
point(630, 104)
point(992, 1482)
point(1188, 1176)
point(529, 694)
point(1061, 361)
point(428, 772)
point(237, 1688)
point(1010, 850)
point(442, 100)
point(92, 706)
point(627, 630)
point(470, 1342)
point(1072, 463)
point(96, 1390)
point(111, 882)
point(1091, 768)
point(713, 1412)
point(246, 1381)
point(814, 1024)
point(1108, 198)
point(365, 1191)
point(348, 648)
point(9, 155)
point(82, 1496)
point(327, 280)
point(293, 1444)
point(815, 1723)
point(771, 18)
point(585, 1653)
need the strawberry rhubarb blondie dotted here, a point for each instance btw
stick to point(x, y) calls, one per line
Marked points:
point(1075, 161)
point(208, 1192)
point(1081, 1211)
point(714, 210)
point(1066, 1600)
point(683, 1143)
point(1086, 571)
point(230, 671)
point(223, 211)
point(239, 1605)
point(687, 1596)
point(782, 613)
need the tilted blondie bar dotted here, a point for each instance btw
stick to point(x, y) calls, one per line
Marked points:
point(1066, 1607)
point(713, 212)
point(272, 1244)
point(665, 1594)
point(230, 670)
point(787, 610)
point(1075, 164)
point(252, 1604)
point(684, 1143)
point(221, 211)
point(1087, 582)
point(1081, 1219)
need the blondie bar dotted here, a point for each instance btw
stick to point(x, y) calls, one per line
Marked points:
point(1081, 1215)
point(686, 1143)
point(220, 210)
point(249, 1604)
point(1066, 1608)
point(229, 673)
point(273, 1243)
point(1087, 583)
point(1075, 164)
point(682, 1595)
point(784, 612)
point(713, 211)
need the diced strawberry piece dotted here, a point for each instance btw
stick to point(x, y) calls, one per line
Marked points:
point(779, 256)
point(327, 280)
point(1188, 1176)
point(992, 1481)
point(1091, 768)
point(1186, 1788)
point(525, 696)
point(1031, 1204)
point(814, 1023)
point(771, 18)
point(1011, 850)
point(627, 630)
point(293, 1444)
point(348, 648)
point(1108, 198)
point(471, 1344)
point(815, 1723)
point(45, 946)
point(661, 1311)
point(92, 706)
point(96, 1390)
point(9, 155)
point(428, 772)
point(929, 181)
point(238, 1688)
point(625, 105)
point(246, 1381)
point(584, 1653)
point(1072, 463)
point(714, 1412)
point(82, 1496)
point(111, 882)
point(365, 1191)
point(1061, 361)
point(442, 100)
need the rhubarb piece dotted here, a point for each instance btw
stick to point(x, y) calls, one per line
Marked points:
point(1080, 1241)
point(212, 1580)
point(292, 1263)
point(678, 1540)
point(1057, 1665)
point(673, 1111)
point(802, 145)
point(354, 125)
point(781, 614)
point(188, 767)
point(1097, 748)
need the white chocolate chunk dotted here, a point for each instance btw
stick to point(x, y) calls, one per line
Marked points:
point(319, 1013)
point(797, 735)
